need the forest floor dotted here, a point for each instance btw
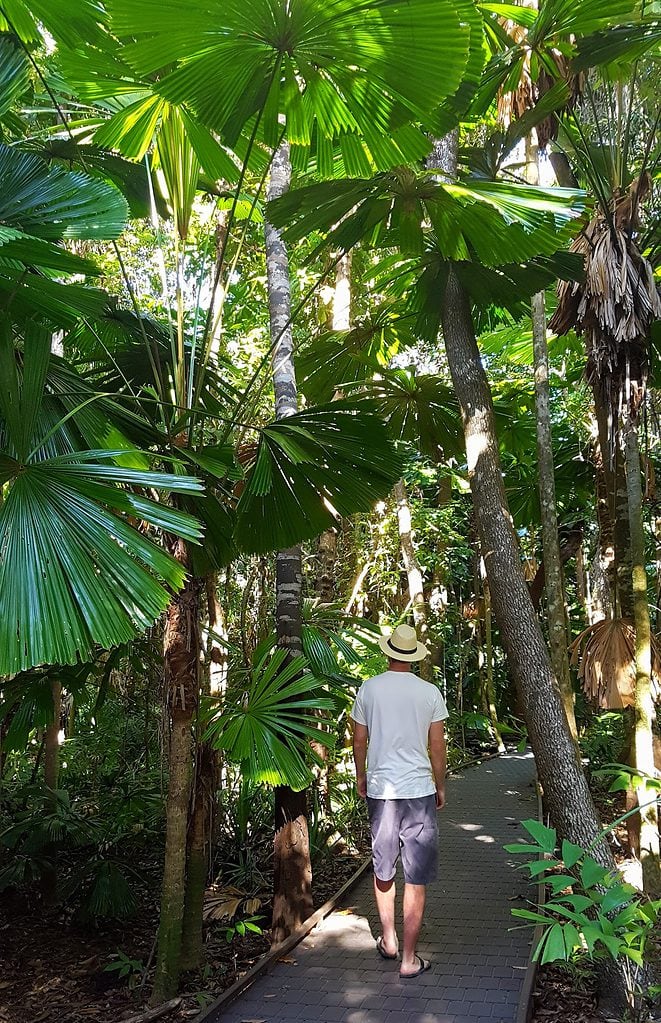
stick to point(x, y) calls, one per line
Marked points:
point(54, 969)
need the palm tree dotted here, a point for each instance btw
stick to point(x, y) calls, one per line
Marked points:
point(613, 309)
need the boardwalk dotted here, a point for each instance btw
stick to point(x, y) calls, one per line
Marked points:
point(478, 966)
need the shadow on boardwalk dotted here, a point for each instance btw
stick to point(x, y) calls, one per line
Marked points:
point(478, 967)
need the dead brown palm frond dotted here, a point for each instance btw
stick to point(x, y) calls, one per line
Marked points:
point(223, 903)
point(605, 655)
point(612, 308)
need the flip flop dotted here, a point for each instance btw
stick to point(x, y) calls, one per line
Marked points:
point(381, 950)
point(425, 964)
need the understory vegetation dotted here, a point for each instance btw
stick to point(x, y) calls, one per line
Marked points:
point(318, 317)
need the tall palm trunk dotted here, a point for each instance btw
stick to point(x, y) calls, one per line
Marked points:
point(181, 656)
point(553, 577)
point(292, 868)
point(413, 572)
point(644, 713)
point(565, 788)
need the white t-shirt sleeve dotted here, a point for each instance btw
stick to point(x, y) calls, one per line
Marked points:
point(358, 710)
point(439, 709)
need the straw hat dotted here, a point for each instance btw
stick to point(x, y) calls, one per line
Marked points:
point(403, 645)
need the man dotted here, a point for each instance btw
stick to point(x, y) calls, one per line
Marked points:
point(400, 718)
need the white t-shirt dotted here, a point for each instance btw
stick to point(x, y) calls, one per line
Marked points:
point(398, 708)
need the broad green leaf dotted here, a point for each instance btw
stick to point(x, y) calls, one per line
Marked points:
point(268, 731)
point(54, 203)
point(546, 837)
point(570, 853)
point(554, 946)
point(65, 21)
point(331, 67)
point(325, 455)
point(73, 573)
point(592, 873)
point(13, 72)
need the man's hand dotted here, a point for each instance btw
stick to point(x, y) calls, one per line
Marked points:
point(440, 798)
point(361, 786)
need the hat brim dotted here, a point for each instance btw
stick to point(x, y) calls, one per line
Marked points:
point(418, 654)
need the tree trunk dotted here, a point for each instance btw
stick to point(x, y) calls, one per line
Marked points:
point(414, 574)
point(488, 653)
point(292, 868)
point(200, 829)
point(181, 654)
point(618, 506)
point(51, 780)
point(644, 713)
point(565, 788)
point(555, 593)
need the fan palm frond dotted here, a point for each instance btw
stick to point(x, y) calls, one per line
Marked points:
point(605, 655)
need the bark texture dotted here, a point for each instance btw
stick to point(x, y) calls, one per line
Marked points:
point(181, 655)
point(292, 868)
point(644, 712)
point(565, 788)
point(554, 583)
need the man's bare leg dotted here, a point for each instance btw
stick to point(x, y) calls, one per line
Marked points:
point(384, 893)
point(414, 907)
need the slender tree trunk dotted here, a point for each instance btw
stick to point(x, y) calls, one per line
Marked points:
point(555, 592)
point(565, 788)
point(202, 814)
point(292, 868)
point(414, 574)
point(644, 712)
point(200, 830)
point(181, 653)
point(49, 874)
point(618, 506)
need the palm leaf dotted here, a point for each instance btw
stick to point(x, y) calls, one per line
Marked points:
point(53, 203)
point(68, 21)
point(331, 67)
point(622, 44)
point(267, 731)
point(307, 469)
point(73, 572)
point(493, 223)
point(419, 409)
point(337, 358)
point(605, 654)
point(13, 72)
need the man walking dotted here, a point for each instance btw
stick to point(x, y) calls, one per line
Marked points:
point(399, 732)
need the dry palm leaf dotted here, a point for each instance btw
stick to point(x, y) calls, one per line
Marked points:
point(613, 307)
point(605, 655)
point(225, 903)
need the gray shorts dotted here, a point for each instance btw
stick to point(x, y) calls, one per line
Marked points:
point(406, 827)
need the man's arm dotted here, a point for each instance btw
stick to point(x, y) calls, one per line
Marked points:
point(360, 757)
point(438, 757)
